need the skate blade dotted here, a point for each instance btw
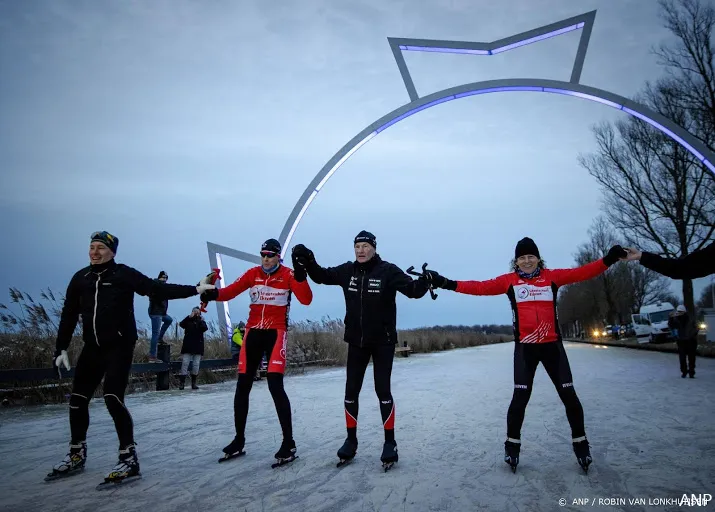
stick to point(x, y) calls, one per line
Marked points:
point(229, 456)
point(113, 484)
point(283, 462)
point(63, 474)
point(344, 462)
point(387, 466)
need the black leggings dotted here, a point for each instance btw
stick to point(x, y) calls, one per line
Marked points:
point(358, 359)
point(113, 363)
point(553, 356)
point(257, 343)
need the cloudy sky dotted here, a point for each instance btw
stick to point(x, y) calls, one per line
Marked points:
point(175, 123)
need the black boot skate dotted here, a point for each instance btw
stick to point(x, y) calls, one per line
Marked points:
point(583, 453)
point(233, 450)
point(72, 464)
point(285, 454)
point(126, 469)
point(512, 447)
point(347, 451)
point(389, 454)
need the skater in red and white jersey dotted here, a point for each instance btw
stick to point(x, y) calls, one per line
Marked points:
point(532, 291)
point(270, 286)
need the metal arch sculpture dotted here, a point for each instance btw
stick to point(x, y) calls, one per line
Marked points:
point(399, 45)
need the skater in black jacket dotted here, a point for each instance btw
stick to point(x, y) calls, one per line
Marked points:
point(369, 285)
point(103, 295)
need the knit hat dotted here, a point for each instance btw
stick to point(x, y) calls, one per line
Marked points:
point(526, 246)
point(366, 236)
point(111, 241)
point(163, 274)
point(271, 245)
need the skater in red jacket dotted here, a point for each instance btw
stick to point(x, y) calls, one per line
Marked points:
point(270, 286)
point(532, 291)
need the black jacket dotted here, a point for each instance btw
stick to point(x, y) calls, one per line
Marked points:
point(103, 295)
point(194, 329)
point(158, 306)
point(370, 289)
point(697, 264)
point(684, 324)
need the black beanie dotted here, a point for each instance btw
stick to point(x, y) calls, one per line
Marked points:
point(366, 236)
point(526, 246)
point(271, 245)
point(111, 241)
point(163, 274)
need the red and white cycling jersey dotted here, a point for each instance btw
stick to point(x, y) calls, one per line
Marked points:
point(270, 296)
point(533, 301)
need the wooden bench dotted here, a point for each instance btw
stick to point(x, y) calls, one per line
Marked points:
point(403, 351)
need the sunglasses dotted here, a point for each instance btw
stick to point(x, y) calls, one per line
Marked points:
point(268, 254)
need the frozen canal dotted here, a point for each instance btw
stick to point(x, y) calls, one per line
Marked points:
point(651, 436)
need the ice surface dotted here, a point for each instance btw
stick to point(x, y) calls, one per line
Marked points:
point(651, 434)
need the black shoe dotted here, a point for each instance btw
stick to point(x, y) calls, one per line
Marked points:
point(692, 375)
point(182, 381)
point(193, 382)
point(684, 374)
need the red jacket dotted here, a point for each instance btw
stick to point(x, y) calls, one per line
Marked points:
point(533, 301)
point(270, 296)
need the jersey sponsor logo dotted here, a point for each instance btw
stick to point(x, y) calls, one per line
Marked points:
point(567, 385)
point(276, 362)
point(385, 402)
point(269, 296)
point(521, 386)
point(374, 283)
point(529, 292)
point(106, 284)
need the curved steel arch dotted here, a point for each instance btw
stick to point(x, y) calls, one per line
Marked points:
point(677, 133)
point(582, 22)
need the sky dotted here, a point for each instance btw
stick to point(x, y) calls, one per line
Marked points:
point(176, 123)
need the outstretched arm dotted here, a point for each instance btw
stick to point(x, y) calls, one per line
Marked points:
point(146, 286)
point(495, 286)
point(231, 291)
point(697, 264)
point(566, 276)
point(403, 283)
point(304, 258)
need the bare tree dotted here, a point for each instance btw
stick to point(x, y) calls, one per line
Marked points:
point(614, 295)
point(656, 193)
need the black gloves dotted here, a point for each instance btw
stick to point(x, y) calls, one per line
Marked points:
point(437, 281)
point(299, 273)
point(302, 255)
point(614, 254)
point(209, 295)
